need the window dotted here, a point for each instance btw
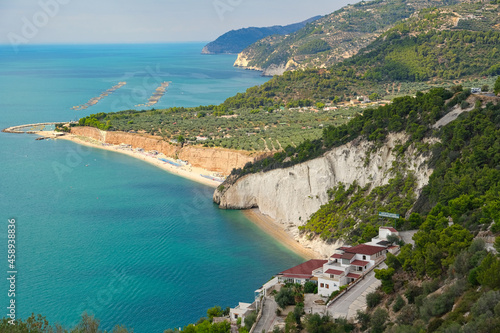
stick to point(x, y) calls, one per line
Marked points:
point(360, 269)
point(364, 257)
point(326, 286)
point(321, 285)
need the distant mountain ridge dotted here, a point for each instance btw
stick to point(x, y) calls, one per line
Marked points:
point(333, 38)
point(235, 41)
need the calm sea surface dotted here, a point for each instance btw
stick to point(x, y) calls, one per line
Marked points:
point(101, 232)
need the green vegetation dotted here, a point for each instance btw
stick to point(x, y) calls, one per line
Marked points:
point(313, 47)
point(345, 31)
point(271, 128)
point(497, 86)
point(415, 55)
point(235, 41)
point(39, 324)
point(373, 124)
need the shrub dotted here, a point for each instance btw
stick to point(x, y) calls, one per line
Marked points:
point(250, 319)
point(408, 314)
point(486, 304)
point(363, 318)
point(434, 325)
point(373, 299)
point(412, 292)
point(309, 287)
point(398, 304)
point(285, 297)
point(378, 320)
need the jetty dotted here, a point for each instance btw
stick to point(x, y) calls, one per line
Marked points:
point(31, 128)
point(95, 100)
point(157, 94)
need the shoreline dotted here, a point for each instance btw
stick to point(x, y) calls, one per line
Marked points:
point(262, 221)
point(188, 172)
point(278, 233)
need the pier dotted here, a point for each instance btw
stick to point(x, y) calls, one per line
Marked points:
point(33, 128)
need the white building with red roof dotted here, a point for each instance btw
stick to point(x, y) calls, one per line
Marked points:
point(350, 263)
point(301, 273)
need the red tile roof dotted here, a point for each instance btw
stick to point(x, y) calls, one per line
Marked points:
point(334, 272)
point(304, 271)
point(365, 249)
point(348, 256)
point(336, 256)
point(359, 263)
point(354, 276)
point(389, 228)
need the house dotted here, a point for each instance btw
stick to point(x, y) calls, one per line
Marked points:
point(241, 311)
point(301, 273)
point(347, 265)
point(475, 90)
point(350, 263)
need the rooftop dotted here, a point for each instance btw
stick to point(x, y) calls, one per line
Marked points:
point(304, 270)
point(360, 263)
point(334, 272)
point(354, 276)
point(365, 249)
point(348, 256)
point(389, 228)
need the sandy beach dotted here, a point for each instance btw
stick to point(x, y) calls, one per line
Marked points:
point(264, 222)
point(186, 171)
point(276, 230)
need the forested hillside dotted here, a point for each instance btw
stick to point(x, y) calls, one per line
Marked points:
point(415, 55)
point(236, 41)
point(335, 37)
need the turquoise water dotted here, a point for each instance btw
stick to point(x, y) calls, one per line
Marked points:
point(101, 232)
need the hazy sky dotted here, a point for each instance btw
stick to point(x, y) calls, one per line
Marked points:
point(122, 21)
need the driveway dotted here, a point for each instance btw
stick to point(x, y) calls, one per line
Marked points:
point(268, 316)
point(355, 299)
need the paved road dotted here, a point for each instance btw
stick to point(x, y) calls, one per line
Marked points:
point(348, 304)
point(268, 316)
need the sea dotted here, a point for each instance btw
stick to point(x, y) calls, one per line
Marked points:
point(101, 232)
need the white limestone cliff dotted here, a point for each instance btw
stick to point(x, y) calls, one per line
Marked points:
point(290, 196)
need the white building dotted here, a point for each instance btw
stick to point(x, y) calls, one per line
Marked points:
point(350, 263)
point(301, 273)
point(241, 311)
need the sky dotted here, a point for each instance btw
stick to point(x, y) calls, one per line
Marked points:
point(146, 21)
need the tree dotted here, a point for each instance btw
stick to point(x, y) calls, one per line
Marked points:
point(385, 275)
point(373, 299)
point(216, 311)
point(373, 97)
point(497, 86)
point(310, 287)
point(250, 319)
point(285, 297)
point(398, 304)
point(378, 320)
point(485, 88)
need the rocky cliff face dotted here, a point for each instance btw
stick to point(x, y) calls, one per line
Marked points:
point(292, 195)
point(213, 159)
